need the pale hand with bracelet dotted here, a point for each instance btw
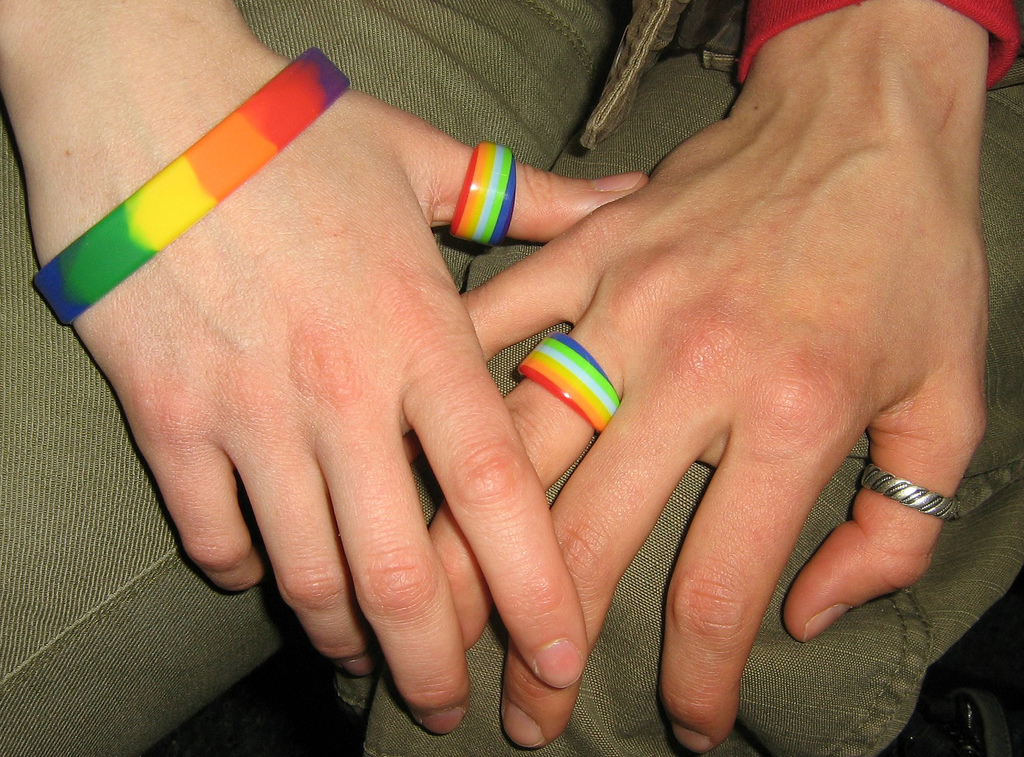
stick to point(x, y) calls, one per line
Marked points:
point(295, 334)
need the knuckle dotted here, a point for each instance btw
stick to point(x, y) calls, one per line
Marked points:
point(697, 708)
point(323, 367)
point(943, 430)
point(528, 688)
point(899, 567)
point(398, 586)
point(453, 554)
point(703, 602)
point(312, 588)
point(707, 354)
point(216, 556)
point(172, 413)
point(543, 600)
point(435, 687)
point(639, 290)
point(798, 408)
point(545, 189)
point(489, 477)
point(584, 549)
point(339, 649)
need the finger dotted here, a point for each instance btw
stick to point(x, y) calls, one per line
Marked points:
point(292, 508)
point(598, 548)
point(731, 560)
point(602, 517)
point(468, 586)
point(201, 495)
point(546, 204)
point(500, 506)
point(554, 437)
point(532, 713)
point(549, 287)
point(887, 546)
point(397, 576)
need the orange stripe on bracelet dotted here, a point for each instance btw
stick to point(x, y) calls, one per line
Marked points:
point(175, 199)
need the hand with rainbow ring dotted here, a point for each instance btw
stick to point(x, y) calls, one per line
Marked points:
point(292, 338)
point(772, 293)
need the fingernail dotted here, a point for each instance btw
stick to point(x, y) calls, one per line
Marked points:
point(357, 666)
point(559, 664)
point(442, 722)
point(619, 182)
point(695, 742)
point(520, 727)
point(823, 620)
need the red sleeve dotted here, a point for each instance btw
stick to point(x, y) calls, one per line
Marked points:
point(766, 18)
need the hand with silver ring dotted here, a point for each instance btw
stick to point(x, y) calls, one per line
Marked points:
point(906, 493)
point(790, 277)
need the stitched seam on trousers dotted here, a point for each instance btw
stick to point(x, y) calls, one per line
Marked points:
point(1006, 102)
point(1009, 465)
point(608, 106)
point(574, 39)
point(1014, 470)
point(43, 651)
point(880, 715)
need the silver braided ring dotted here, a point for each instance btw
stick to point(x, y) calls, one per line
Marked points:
point(906, 493)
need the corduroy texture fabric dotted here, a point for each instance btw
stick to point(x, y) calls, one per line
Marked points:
point(107, 639)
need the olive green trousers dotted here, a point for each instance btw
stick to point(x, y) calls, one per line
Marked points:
point(108, 638)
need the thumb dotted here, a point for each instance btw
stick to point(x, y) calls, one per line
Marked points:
point(546, 204)
point(886, 545)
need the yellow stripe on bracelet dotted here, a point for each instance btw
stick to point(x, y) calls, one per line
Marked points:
point(175, 199)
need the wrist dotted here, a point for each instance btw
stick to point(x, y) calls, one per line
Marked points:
point(102, 95)
point(890, 67)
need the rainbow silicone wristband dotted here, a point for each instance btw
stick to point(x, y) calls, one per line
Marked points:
point(170, 203)
point(488, 195)
point(561, 365)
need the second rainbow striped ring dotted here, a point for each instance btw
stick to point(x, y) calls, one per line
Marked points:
point(488, 195)
point(562, 366)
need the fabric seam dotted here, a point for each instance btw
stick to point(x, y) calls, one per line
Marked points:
point(606, 107)
point(883, 714)
point(43, 651)
point(560, 26)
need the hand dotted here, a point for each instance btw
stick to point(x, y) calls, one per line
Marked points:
point(807, 269)
point(294, 335)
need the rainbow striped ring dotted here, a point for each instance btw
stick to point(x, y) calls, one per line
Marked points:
point(170, 203)
point(488, 195)
point(561, 365)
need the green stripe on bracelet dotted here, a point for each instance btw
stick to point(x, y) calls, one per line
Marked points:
point(176, 198)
